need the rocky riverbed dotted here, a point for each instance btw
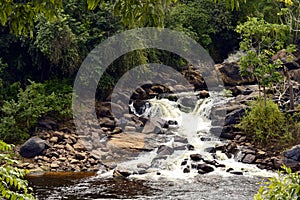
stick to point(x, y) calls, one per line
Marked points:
point(63, 149)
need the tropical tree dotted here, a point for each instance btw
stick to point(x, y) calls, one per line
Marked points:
point(261, 40)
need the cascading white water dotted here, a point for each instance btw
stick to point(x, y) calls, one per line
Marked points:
point(192, 126)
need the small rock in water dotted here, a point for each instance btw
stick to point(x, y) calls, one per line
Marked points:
point(249, 158)
point(172, 122)
point(186, 170)
point(165, 150)
point(142, 171)
point(180, 139)
point(220, 165)
point(205, 139)
point(204, 168)
point(180, 148)
point(121, 173)
point(183, 162)
point(236, 173)
point(190, 147)
point(229, 169)
point(196, 157)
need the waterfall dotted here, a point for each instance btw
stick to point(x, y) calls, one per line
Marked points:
point(192, 130)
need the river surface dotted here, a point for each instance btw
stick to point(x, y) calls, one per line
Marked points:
point(202, 187)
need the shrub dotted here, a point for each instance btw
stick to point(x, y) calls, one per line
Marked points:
point(20, 115)
point(264, 122)
point(284, 186)
point(12, 184)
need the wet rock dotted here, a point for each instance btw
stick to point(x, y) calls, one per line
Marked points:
point(229, 169)
point(184, 162)
point(186, 170)
point(234, 116)
point(220, 165)
point(236, 172)
point(33, 147)
point(204, 168)
point(249, 158)
point(196, 157)
point(165, 150)
point(121, 173)
point(142, 171)
point(172, 123)
point(190, 147)
point(205, 139)
point(155, 125)
point(180, 139)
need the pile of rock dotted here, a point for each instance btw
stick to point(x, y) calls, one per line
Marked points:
point(57, 151)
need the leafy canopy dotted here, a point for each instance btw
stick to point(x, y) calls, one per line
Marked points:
point(20, 16)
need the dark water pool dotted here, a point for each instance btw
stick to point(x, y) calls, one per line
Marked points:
point(202, 187)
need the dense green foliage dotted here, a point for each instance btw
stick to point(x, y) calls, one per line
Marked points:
point(284, 186)
point(19, 115)
point(263, 123)
point(12, 184)
point(210, 24)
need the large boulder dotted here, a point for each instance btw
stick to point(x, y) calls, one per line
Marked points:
point(293, 153)
point(231, 75)
point(289, 60)
point(33, 147)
